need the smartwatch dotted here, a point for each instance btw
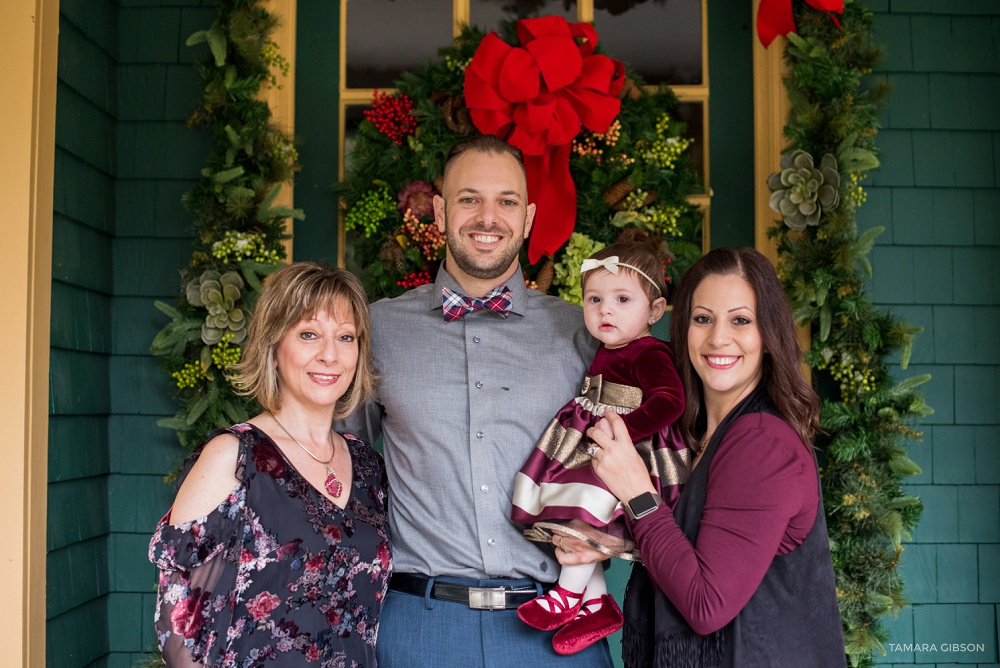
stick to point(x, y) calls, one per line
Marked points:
point(643, 505)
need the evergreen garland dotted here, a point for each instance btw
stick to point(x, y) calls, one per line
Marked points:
point(634, 179)
point(866, 414)
point(237, 228)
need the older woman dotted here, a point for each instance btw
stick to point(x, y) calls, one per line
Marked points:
point(275, 551)
point(740, 573)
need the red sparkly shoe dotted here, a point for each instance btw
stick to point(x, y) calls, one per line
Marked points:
point(588, 627)
point(563, 607)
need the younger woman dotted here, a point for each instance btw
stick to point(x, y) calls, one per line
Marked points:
point(739, 572)
point(557, 490)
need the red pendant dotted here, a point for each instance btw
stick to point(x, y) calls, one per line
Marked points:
point(333, 486)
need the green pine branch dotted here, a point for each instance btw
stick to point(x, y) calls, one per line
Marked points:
point(238, 228)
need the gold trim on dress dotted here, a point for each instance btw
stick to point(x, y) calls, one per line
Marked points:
point(542, 532)
point(564, 445)
point(616, 396)
point(670, 466)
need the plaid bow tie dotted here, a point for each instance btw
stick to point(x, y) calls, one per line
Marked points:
point(456, 305)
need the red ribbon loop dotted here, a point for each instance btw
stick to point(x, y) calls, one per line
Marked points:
point(537, 96)
point(774, 17)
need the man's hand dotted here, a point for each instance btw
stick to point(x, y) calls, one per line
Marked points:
point(571, 551)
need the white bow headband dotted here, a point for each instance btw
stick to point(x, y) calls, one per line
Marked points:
point(612, 264)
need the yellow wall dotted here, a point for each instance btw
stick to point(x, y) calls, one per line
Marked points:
point(770, 107)
point(29, 33)
point(282, 100)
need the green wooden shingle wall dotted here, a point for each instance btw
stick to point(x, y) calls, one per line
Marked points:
point(77, 576)
point(124, 157)
point(158, 159)
point(938, 266)
point(317, 46)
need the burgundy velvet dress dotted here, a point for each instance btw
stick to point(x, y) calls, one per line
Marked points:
point(557, 484)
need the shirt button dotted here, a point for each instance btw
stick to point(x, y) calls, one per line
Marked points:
point(475, 339)
point(485, 488)
point(491, 542)
point(479, 385)
point(479, 434)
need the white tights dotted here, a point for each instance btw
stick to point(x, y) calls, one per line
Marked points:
point(583, 580)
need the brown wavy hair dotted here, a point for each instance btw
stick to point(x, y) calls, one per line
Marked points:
point(794, 398)
point(291, 294)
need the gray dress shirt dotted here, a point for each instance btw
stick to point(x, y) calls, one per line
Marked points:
point(460, 406)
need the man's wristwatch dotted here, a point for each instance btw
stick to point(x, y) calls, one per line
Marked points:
point(643, 505)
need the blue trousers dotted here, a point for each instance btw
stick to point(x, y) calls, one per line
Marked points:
point(417, 631)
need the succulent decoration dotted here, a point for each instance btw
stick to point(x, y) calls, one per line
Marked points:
point(800, 192)
point(220, 295)
point(238, 227)
point(634, 176)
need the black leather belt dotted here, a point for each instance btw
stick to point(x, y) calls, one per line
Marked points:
point(477, 598)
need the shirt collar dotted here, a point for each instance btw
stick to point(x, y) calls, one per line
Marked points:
point(518, 290)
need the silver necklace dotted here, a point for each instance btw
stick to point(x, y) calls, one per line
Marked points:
point(333, 485)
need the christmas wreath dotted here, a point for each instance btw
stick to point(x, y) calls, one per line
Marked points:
point(605, 157)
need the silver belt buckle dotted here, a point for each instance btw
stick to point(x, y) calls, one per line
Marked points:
point(487, 598)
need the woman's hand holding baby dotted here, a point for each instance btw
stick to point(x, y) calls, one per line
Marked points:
point(616, 461)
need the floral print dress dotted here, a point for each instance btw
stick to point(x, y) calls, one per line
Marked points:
point(277, 575)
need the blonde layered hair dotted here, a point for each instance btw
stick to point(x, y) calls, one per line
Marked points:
point(291, 294)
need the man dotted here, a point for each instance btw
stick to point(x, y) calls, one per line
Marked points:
point(463, 398)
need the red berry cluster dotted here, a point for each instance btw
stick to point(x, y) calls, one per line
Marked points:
point(413, 280)
point(392, 115)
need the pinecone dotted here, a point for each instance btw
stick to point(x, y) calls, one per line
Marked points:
point(629, 90)
point(457, 116)
point(545, 276)
point(391, 253)
point(617, 193)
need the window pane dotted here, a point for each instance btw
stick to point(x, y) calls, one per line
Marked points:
point(659, 39)
point(487, 14)
point(387, 37)
point(693, 115)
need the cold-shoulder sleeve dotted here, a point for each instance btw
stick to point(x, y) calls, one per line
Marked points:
point(760, 501)
point(662, 392)
point(198, 561)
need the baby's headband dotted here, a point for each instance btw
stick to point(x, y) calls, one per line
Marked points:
point(612, 264)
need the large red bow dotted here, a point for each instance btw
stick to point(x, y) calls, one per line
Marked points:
point(774, 17)
point(537, 96)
